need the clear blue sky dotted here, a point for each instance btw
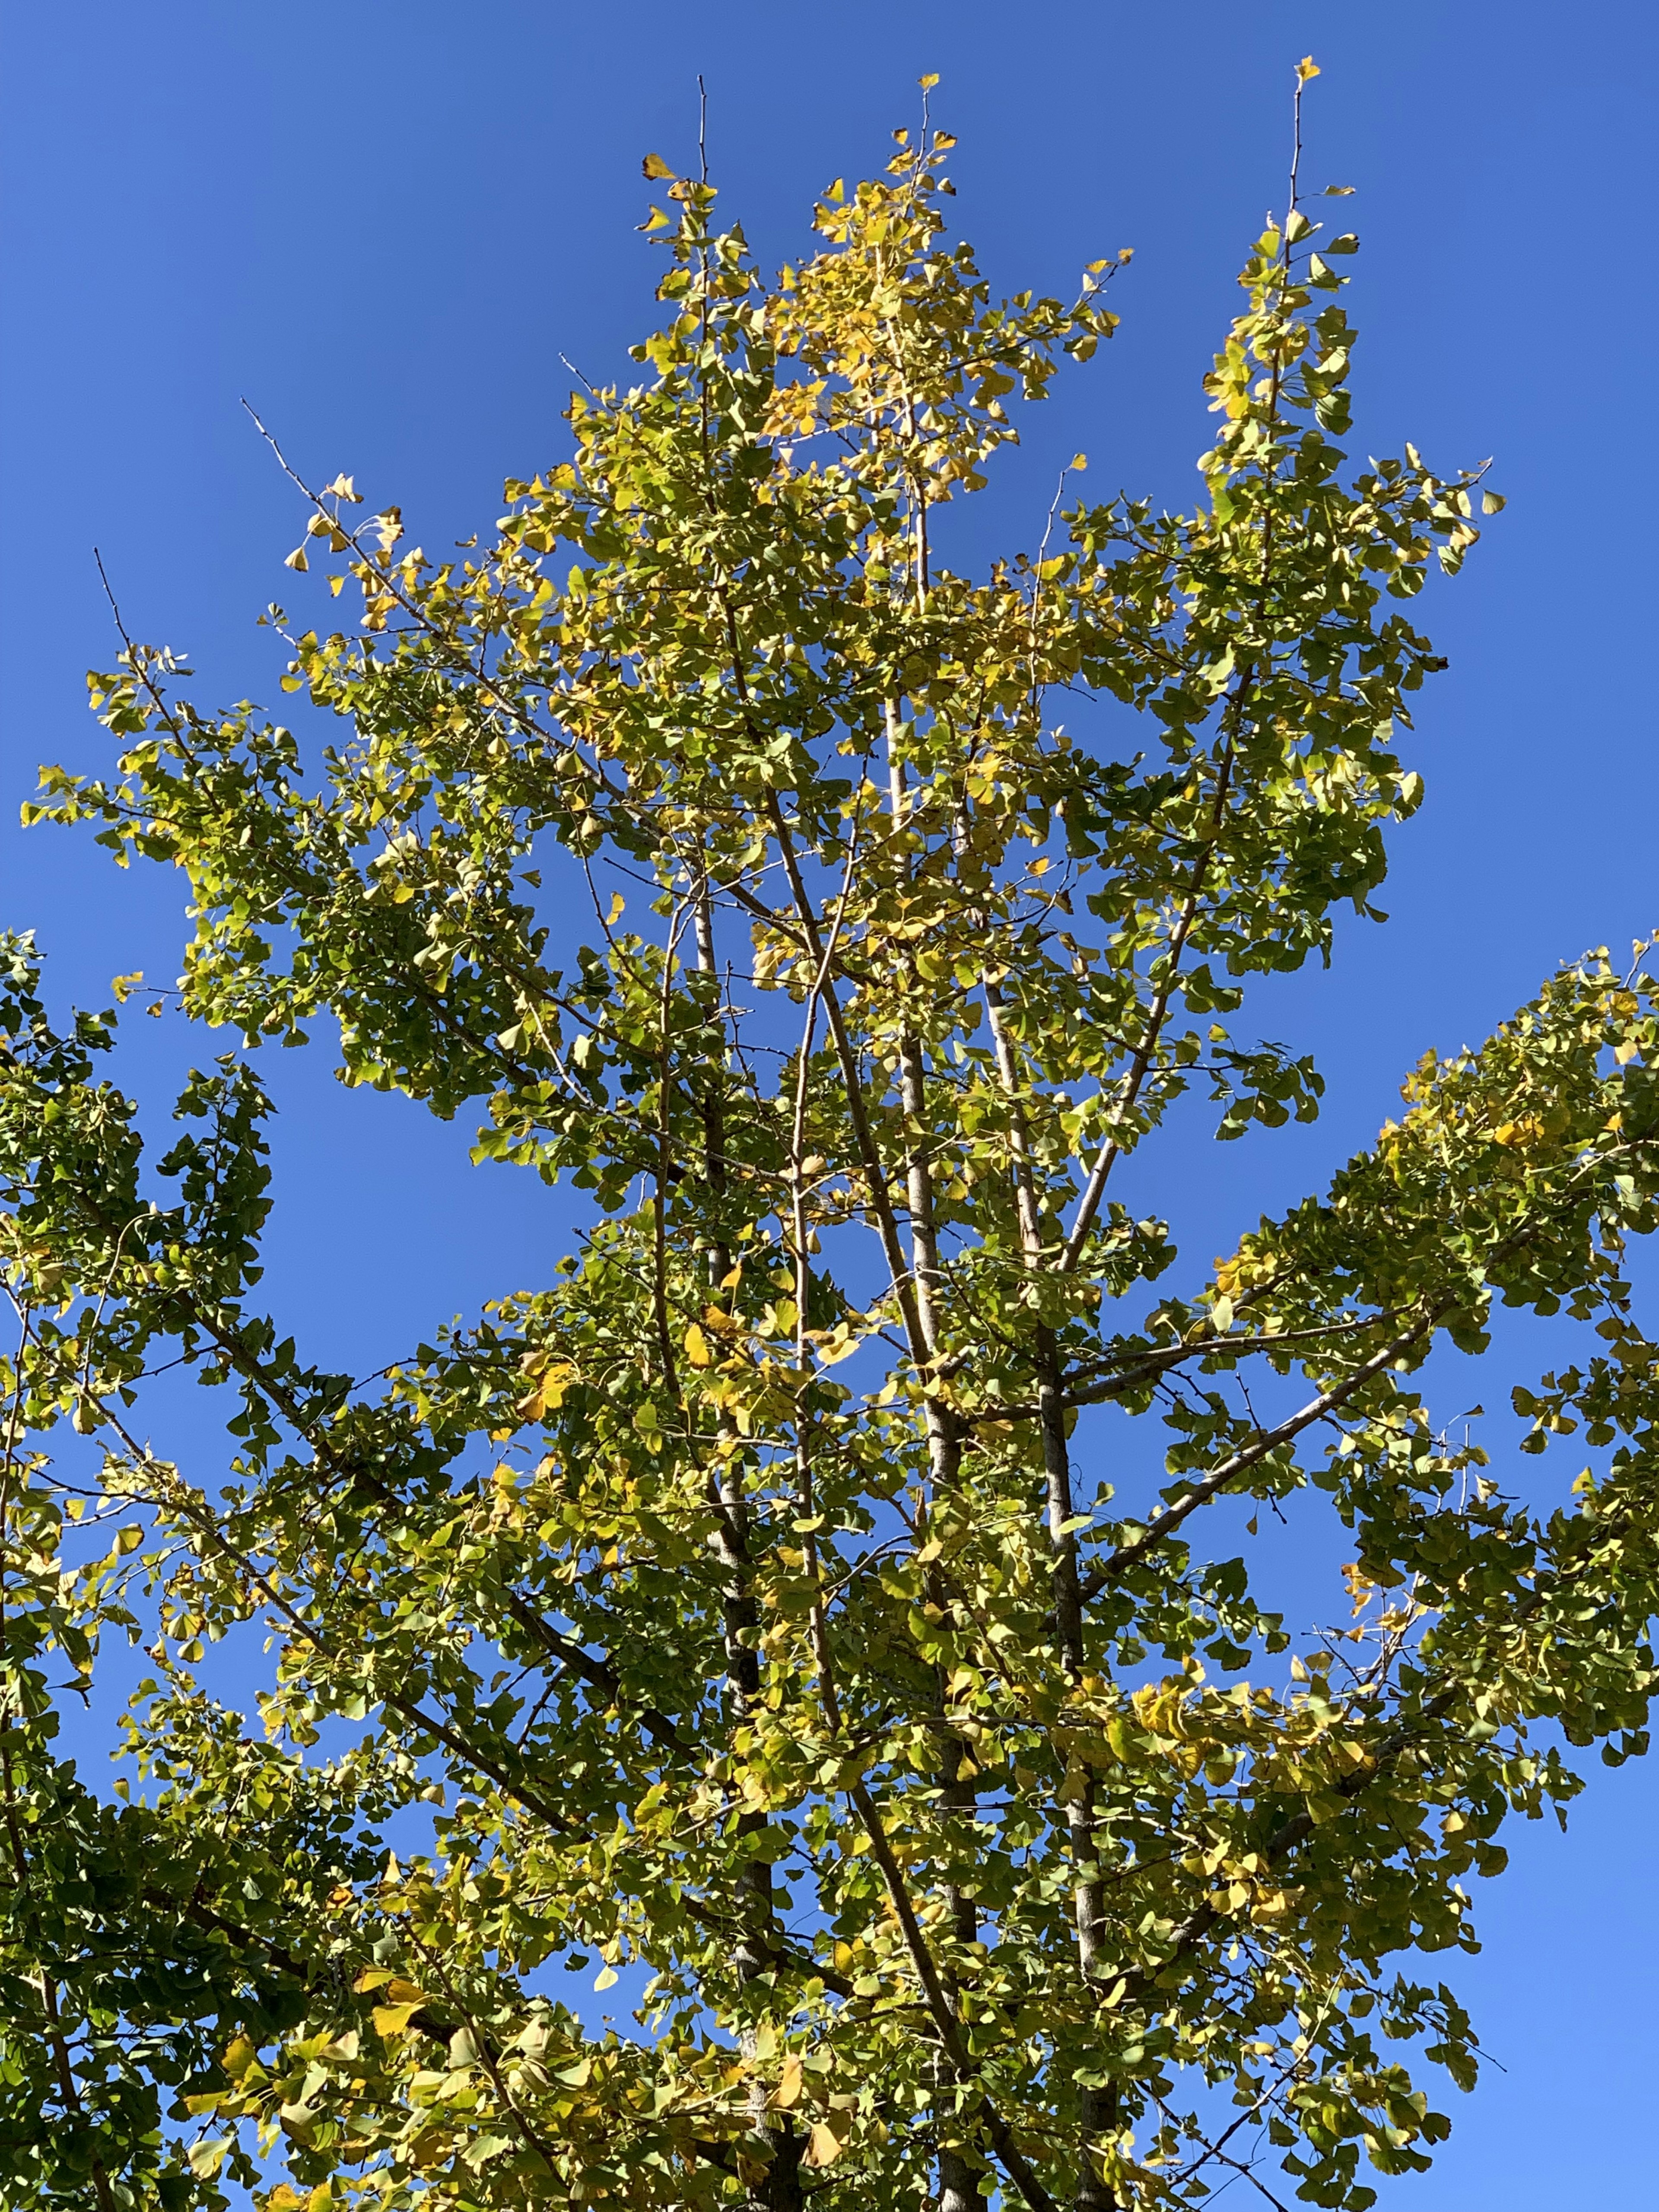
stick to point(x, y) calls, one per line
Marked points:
point(384, 224)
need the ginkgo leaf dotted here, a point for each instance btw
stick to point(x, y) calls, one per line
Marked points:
point(823, 2146)
point(206, 2159)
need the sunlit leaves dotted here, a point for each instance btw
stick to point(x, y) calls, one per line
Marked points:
point(745, 1620)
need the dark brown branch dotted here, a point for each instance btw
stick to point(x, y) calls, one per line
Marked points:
point(1260, 1444)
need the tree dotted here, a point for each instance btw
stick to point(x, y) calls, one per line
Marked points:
point(751, 1606)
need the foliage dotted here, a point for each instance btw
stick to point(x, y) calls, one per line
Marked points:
point(744, 1608)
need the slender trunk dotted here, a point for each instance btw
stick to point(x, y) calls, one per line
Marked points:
point(958, 2176)
point(777, 2189)
point(1096, 2107)
point(713, 1105)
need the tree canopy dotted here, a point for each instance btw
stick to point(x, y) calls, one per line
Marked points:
point(772, 1604)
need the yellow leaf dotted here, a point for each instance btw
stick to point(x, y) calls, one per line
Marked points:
point(1307, 68)
point(654, 166)
point(553, 1377)
point(1517, 1133)
point(787, 2092)
point(393, 2020)
point(206, 2159)
point(823, 2147)
point(928, 82)
point(697, 1348)
point(297, 559)
point(605, 1978)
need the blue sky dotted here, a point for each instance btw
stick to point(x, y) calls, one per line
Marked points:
point(384, 224)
